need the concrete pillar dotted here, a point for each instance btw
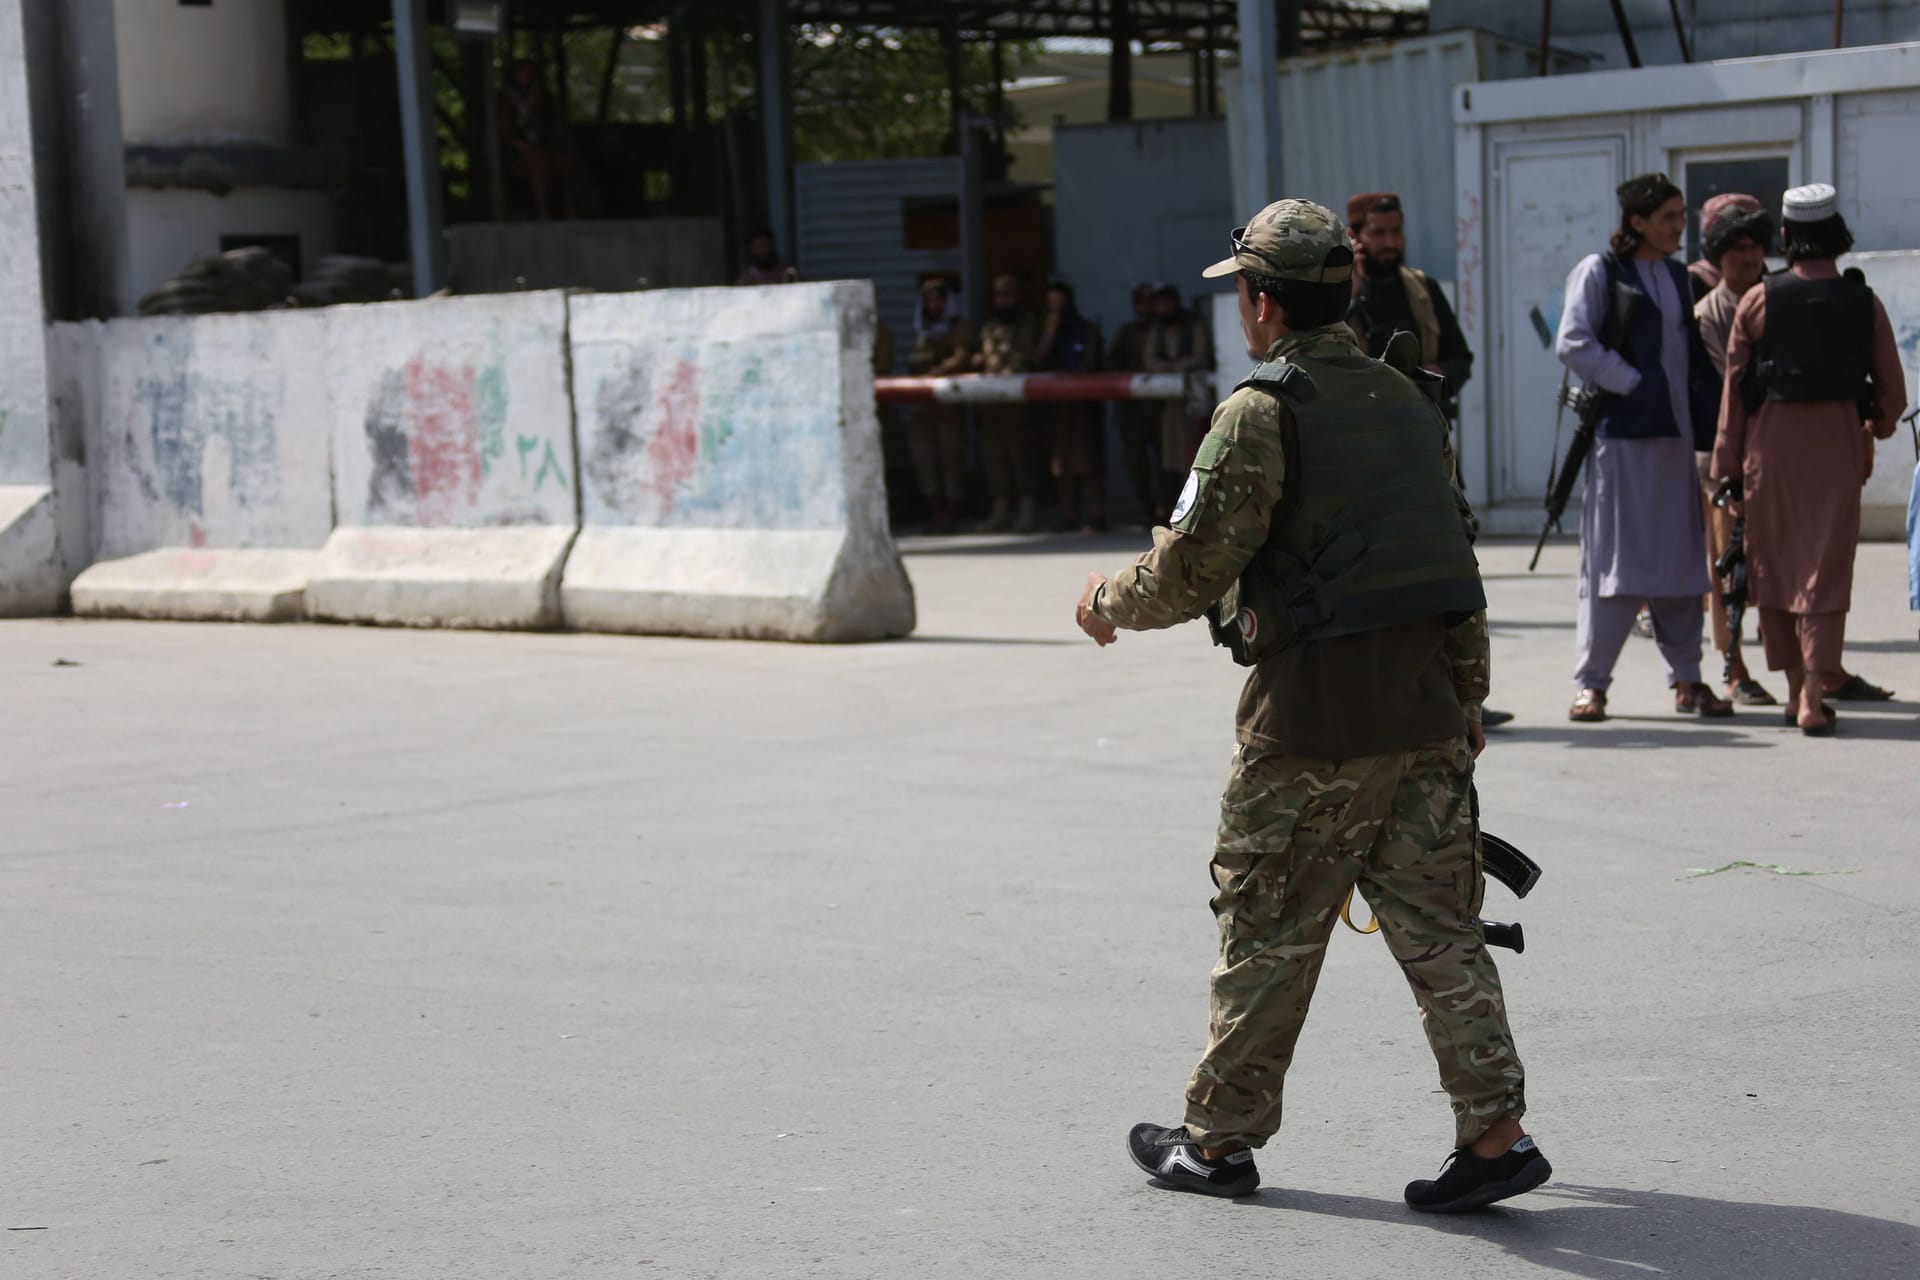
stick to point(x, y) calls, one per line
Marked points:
point(420, 146)
point(973, 216)
point(775, 31)
point(63, 221)
point(79, 156)
point(1120, 62)
point(1259, 158)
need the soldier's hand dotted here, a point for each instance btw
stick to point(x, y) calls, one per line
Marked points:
point(1476, 738)
point(1102, 631)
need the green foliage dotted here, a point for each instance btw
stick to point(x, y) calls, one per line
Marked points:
point(866, 93)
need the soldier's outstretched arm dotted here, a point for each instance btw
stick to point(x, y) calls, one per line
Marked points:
point(1223, 518)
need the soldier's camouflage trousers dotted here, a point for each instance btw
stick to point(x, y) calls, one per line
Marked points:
point(1295, 836)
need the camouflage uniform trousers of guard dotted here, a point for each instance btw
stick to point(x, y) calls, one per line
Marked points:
point(1295, 836)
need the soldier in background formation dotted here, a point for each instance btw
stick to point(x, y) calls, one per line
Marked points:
point(943, 344)
point(1178, 342)
point(1139, 419)
point(1735, 232)
point(1358, 726)
point(1813, 378)
point(1628, 332)
point(1009, 337)
point(1070, 343)
point(764, 263)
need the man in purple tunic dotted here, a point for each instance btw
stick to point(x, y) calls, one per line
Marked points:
point(1642, 532)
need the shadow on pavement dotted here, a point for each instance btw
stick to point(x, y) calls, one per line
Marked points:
point(1101, 545)
point(1627, 731)
point(1885, 646)
point(917, 638)
point(1500, 625)
point(1857, 724)
point(1614, 1232)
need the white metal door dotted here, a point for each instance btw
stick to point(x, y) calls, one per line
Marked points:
point(1553, 205)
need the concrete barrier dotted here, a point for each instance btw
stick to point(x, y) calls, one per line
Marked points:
point(453, 463)
point(207, 438)
point(31, 579)
point(733, 483)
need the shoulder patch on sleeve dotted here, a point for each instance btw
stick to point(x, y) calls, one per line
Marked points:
point(1212, 448)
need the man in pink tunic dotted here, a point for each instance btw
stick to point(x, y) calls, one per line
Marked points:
point(1813, 377)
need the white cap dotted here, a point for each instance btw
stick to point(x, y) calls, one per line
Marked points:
point(1815, 202)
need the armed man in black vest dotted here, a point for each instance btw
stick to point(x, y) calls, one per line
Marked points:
point(1322, 536)
point(1813, 379)
point(1391, 297)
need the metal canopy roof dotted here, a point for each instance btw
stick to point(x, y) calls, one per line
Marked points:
point(1322, 23)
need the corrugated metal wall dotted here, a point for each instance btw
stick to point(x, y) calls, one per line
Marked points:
point(1715, 28)
point(1150, 200)
point(852, 226)
point(1380, 118)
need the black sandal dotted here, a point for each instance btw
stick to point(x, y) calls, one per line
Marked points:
point(1857, 690)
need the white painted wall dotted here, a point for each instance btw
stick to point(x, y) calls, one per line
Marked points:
point(1879, 183)
point(167, 229)
point(194, 74)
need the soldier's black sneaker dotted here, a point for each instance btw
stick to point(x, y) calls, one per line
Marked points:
point(1170, 1157)
point(1468, 1182)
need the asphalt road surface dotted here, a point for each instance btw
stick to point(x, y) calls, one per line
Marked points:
point(330, 952)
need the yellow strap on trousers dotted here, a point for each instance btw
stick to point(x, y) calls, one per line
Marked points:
point(1346, 913)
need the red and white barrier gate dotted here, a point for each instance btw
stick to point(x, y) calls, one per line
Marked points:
point(990, 388)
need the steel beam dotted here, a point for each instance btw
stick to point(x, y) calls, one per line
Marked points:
point(1259, 160)
point(775, 30)
point(420, 146)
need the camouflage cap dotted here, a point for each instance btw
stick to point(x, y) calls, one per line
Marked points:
point(1291, 240)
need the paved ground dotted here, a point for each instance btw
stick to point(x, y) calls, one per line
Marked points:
point(335, 952)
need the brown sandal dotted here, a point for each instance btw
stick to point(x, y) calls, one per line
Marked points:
point(1590, 707)
point(1696, 699)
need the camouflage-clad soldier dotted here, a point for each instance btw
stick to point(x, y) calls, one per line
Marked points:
point(1009, 343)
point(943, 345)
point(1139, 419)
point(1322, 536)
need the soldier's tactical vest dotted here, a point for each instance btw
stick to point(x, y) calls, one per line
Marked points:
point(1818, 343)
point(1371, 531)
point(1426, 320)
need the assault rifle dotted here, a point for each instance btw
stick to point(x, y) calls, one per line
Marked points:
point(1510, 867)
point(1731, 567)
point(1586, 403)
point(1499, 859)
point(1623, 302)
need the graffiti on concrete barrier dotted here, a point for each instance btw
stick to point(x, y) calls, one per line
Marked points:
point(386, 426)
point(708, 435)
point(211, 447)
point(437, 434)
